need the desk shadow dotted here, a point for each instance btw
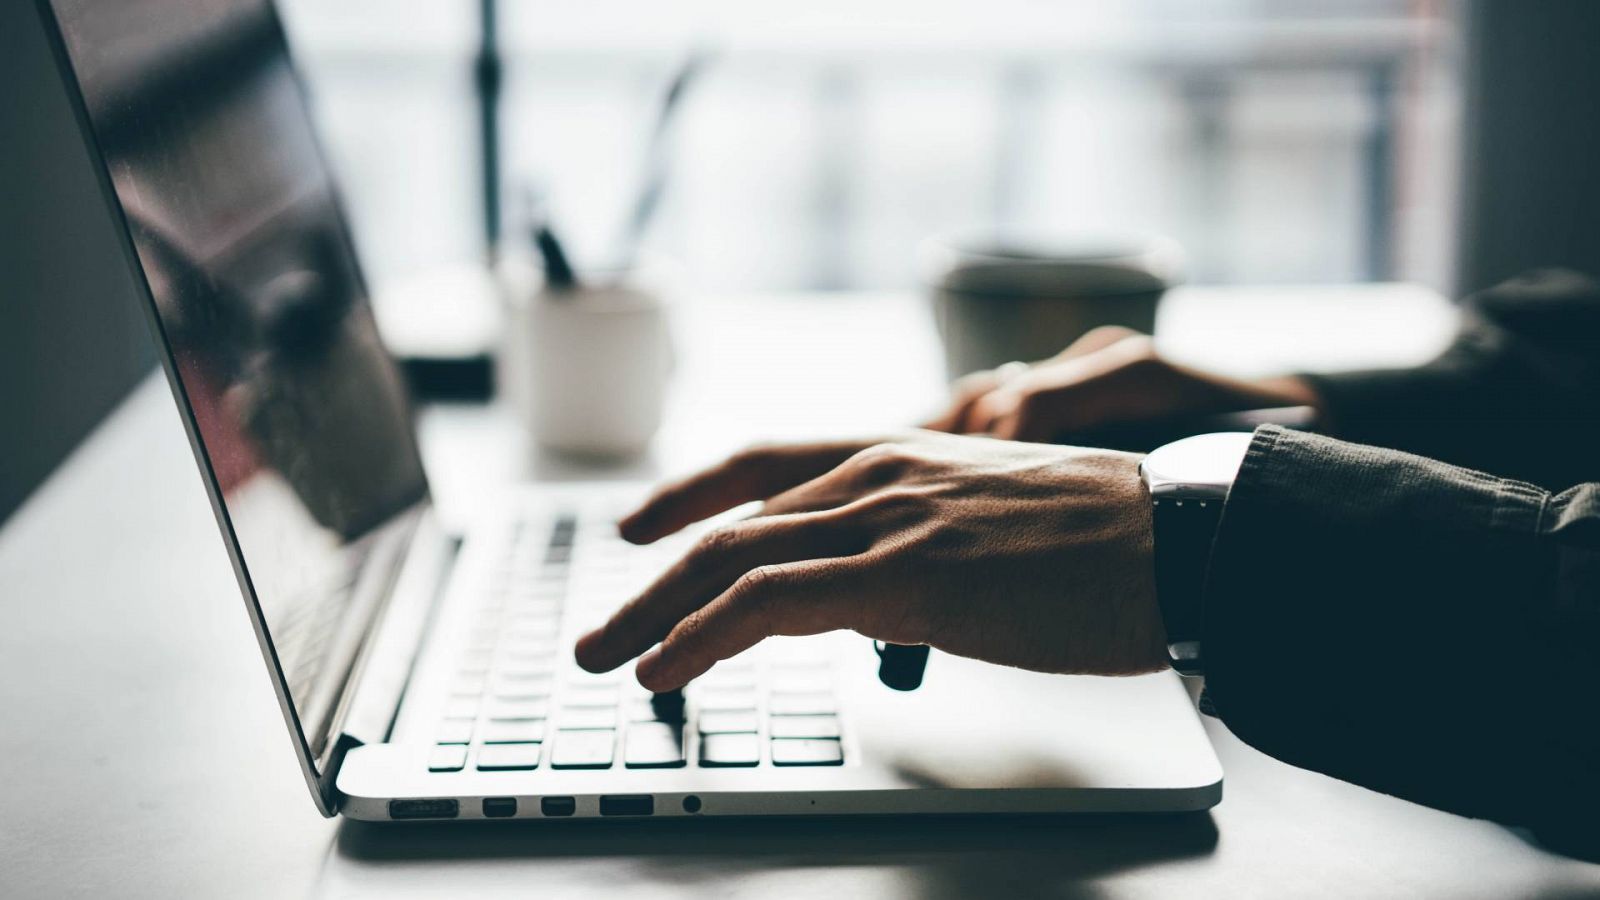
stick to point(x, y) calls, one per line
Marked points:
point(945, 856)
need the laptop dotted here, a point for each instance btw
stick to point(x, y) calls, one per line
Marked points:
point(429, 675)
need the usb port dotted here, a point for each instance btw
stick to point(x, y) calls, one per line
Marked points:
point(424, 809)
point(628, 805)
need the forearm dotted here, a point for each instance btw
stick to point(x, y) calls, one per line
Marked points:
point(1518, 393)
point(1413, 627)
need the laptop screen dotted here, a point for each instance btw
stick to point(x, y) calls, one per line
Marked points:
point(301, 415)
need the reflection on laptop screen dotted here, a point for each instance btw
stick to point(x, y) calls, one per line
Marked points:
point(302, 415)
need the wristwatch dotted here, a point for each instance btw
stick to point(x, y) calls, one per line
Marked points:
point(1188, 481)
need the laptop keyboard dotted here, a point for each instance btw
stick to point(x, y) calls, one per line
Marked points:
point(518, 702)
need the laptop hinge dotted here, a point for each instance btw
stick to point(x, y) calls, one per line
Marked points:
point(381, 672)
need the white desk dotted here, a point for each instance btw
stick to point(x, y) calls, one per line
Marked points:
point(144, 754)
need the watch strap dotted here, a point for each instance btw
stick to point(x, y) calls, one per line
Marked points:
point(1184, 530)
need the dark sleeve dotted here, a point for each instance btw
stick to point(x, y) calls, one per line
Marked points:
point(1526, 362)
point(1420, 629)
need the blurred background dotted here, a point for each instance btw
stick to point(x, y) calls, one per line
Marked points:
point(1277, 140)
point(816, 146)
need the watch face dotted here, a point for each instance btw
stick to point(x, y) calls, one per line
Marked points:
point(1202, 461)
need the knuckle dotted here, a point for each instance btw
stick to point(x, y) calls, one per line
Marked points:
point(691, 631)
point(890, 510)
point(883, 463)
point(712, 548)
point(969, 387)
point(1000, 403)
point(757, 584)
point(757, 592)
point(718, 542)
point(754, 455)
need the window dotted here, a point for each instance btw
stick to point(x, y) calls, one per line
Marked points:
point(821, 142)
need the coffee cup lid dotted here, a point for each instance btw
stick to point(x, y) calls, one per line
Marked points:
point(1064, 265)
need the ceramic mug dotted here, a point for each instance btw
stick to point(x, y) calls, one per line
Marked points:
point(589, 367)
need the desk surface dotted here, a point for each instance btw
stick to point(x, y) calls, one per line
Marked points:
point(145, 756)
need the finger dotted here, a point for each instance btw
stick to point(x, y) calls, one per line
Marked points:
point(992, 414)
point(754, 474)
point(868, 472)
point(965, 392)
point(829, 491)
point(1034, 417)
point(716, 562)
point(1006, 376)
point(808, 597)
point(967, 423)
point(1097, 339)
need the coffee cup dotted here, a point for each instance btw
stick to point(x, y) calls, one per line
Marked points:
point(588, 366)
point(1005, 296)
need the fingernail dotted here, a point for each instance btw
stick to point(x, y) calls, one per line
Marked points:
point(646, 670)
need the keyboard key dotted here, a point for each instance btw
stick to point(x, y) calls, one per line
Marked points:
point(645, 709)
point(461, 708)
point(525, 670)
point(475, 664)
point(532, 693)
point(537, 593)
point(448, 758)
point(543, 651)
point(729, 721)
point(652, 745)
point(812, 703)
point(590, 696)
point(720, 679)
point(469, 686)
point(806, 752)
point(730, 750)
point(583, 750)
point(714, 699)
point(500, 708)
point(787, 683)
point(513, 731)
point(533, 630)
point(508, 757)
point(561, 533)
point(523, 688)
point(455, 731)
point(544, 603)
point(803, 727)
point(588, 718)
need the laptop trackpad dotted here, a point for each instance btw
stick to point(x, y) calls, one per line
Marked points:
point(977, 725)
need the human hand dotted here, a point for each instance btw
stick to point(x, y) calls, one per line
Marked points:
point(1110, 376)
point(1026, 555)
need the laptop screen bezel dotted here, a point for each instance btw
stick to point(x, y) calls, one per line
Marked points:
point(320, 771)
